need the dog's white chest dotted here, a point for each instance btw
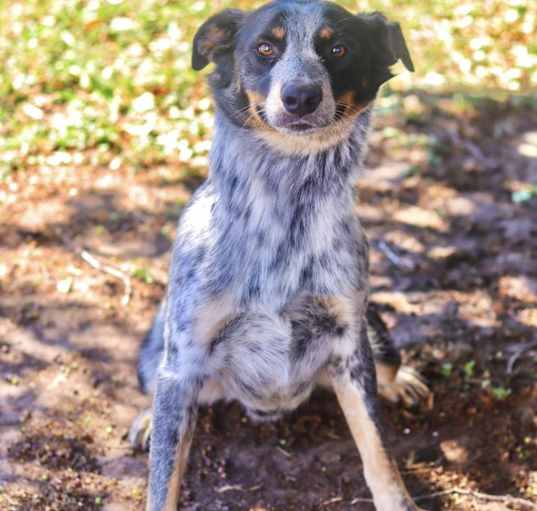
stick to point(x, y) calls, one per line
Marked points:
point(262, 365)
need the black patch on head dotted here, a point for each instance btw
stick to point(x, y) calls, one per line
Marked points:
point(373, 45)
point(258, 28)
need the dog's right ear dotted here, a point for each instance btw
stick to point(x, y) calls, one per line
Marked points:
point(389, 41)
point(215, 36)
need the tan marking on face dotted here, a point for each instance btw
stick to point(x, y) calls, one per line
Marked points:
point(347, 99)
point(214, 36)
point(326, 33)
point(255, 97)
point(290, 144)
point(352, 108)
point(211, 317)
point(279, 33)
point(254, 120)
point(380, 470)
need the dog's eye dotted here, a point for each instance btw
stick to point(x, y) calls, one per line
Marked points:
point(339, 51)
point(265, 50)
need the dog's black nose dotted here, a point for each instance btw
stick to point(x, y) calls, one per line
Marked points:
point(301, 99)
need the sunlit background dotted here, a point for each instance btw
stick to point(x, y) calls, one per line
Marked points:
point(108, 82)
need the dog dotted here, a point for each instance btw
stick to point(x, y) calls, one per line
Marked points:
point(268, 287)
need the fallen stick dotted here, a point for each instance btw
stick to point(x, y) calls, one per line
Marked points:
point(90, 259)
point(517, 351)
point(110, 270)
point(403, 263)
point(504, 499)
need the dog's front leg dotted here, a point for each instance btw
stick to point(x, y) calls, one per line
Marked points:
point(353, 379)
point(174, 420)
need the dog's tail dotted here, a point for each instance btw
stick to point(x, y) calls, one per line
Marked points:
point(151, 352)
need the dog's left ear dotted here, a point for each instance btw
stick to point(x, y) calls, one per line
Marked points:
point(215, 36)
point(391, 40)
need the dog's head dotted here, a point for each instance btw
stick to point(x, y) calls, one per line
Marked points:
point(298, 69)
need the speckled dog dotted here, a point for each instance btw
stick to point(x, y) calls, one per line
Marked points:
point(269, 278)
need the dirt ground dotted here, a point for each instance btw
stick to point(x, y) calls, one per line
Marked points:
point(454, 271)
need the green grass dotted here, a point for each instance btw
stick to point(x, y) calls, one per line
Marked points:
point(108, 82)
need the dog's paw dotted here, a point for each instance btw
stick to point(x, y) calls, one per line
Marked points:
point(140, 431)
point(407, 387)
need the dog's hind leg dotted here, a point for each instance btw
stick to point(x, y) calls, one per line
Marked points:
point(396, 382)
point(354, 383)
point(149, 357)
point(151, 352)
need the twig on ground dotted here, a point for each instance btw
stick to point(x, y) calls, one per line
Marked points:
point(504, 499)
point(284, 452)
point(90, 259)
point(477, 154)
point(230, 487)
point(517, 351)
point(474, 150)
point(237, 487)
point(361, 500)
point(110, 270)
point(332, 501)
point(403, 263)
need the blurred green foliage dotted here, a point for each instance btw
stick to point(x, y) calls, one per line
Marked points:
point(108, 82)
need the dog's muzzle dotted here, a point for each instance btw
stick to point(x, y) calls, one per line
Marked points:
point(301, 99)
